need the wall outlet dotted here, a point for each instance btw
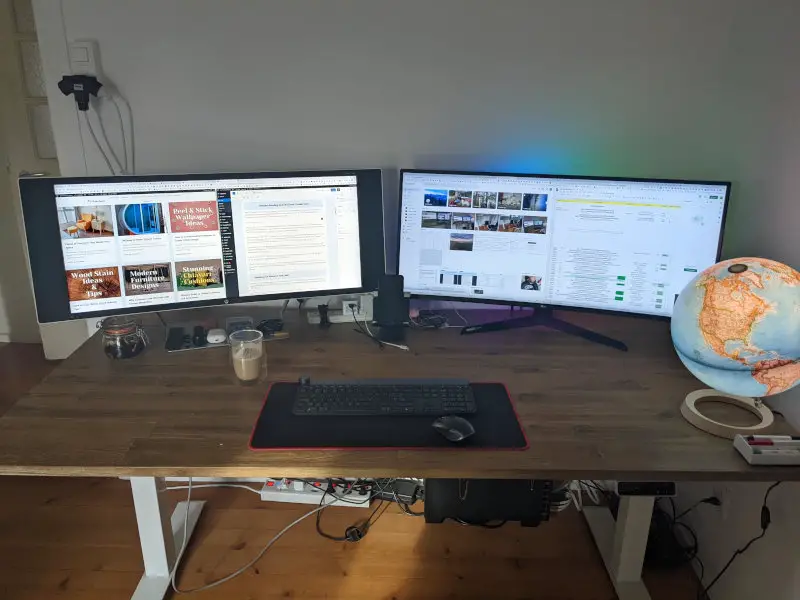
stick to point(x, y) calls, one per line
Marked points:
point(344, 314)
point(723, 492)
point(84, 58)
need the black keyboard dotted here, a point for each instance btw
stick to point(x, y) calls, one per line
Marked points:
point(384, 399)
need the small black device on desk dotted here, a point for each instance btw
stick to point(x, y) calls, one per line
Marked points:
point(391, 309)
point(177, 339)
point(190, 336)
point(183, 338)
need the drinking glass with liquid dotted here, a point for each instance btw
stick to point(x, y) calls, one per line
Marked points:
point(247, 354)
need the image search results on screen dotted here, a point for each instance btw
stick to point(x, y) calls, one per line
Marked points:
point(485, 221)
point(594, 243)
point(463, 212)
point(133, 244)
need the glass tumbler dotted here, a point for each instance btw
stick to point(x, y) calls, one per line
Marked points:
point(247, 355)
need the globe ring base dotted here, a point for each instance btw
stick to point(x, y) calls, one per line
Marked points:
point(704, 423)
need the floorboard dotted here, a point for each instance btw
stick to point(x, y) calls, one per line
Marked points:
point(75, 539)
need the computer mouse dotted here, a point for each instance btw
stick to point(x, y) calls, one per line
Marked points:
point(216, 336)
point(453, 428)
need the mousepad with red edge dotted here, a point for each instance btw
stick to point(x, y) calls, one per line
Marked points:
point(496, 425)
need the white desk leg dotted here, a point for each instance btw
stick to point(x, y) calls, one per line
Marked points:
point(159, 534)
point(622, 543)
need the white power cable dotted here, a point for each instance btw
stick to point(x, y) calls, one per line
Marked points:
point(372, 335)
point(460, 316)
point(126, 166)
point(591, 491)
point(116, 97)
point(97, 141)
point(122, 131)
point(214, 485)
point(122, 169)
point(241, 570)
point(574, 497)
point(400, 346)
point(269, 544)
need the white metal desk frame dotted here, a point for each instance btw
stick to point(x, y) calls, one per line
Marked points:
point(160, 534)
point(622, 543)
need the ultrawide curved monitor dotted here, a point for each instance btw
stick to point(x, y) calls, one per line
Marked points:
point(103, 246)
point(623, 245)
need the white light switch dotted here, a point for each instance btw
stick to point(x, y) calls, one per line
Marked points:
point(80, 54)
point(84, 58)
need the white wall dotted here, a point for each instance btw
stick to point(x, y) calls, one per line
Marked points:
point(17, 314)
point(625, 87)
point(681, 89)
point(8, 219)
point(771, 568)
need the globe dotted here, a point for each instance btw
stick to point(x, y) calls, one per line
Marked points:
point(736, 327)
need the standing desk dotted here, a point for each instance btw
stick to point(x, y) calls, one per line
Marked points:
point(589, 412)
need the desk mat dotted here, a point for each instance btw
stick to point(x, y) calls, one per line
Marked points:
point(496, 425)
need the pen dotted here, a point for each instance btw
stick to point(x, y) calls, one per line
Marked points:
point(751, 438)
point(277, 335)
point(783, 443)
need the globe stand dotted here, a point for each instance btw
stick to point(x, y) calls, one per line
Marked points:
point(751, 405)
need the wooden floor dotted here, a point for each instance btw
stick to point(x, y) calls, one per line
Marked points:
point(76, 539)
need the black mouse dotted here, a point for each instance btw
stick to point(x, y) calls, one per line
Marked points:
point(454, 429)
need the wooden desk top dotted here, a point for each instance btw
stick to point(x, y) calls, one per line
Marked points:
point(588, 411)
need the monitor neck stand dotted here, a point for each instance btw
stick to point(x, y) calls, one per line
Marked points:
point(543, 317)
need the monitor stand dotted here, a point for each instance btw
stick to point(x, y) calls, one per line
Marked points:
point(543, 317)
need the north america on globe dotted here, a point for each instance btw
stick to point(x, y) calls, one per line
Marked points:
point(736, 327)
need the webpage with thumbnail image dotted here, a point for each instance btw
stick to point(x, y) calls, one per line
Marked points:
point(93, 284)
point(140, 218)
point(86, 222)
point(147, 279)
point(199, 274)
point(193, 216)
point(531, 283)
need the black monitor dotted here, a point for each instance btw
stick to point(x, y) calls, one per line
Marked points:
point(102, 246)
point(592, 243)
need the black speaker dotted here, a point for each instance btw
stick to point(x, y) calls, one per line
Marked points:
point(391, 308)
point(485, 501)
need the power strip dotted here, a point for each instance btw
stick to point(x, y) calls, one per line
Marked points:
point(339, 317)
point(300, 492)
point(363, 305)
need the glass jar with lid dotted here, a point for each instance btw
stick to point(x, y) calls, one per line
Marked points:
point(123, 337)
